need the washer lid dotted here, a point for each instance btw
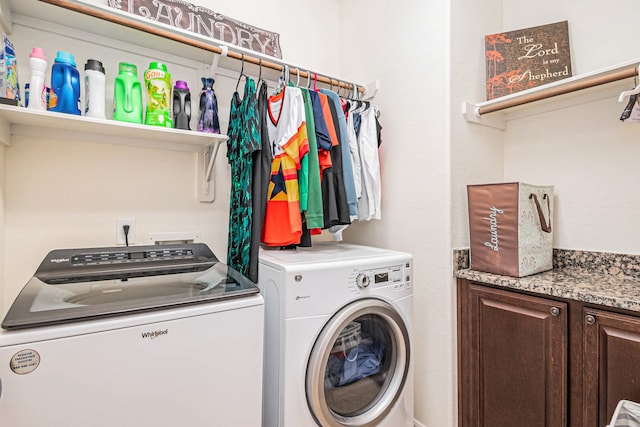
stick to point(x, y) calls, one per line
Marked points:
point(79, 284)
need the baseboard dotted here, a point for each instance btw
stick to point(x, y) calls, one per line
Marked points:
point(417, 423)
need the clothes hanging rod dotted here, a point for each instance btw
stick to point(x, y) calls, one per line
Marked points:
point(559, 88)
point(271, 63)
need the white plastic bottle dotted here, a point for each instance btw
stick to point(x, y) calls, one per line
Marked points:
point(94, 85)
point(38, 64)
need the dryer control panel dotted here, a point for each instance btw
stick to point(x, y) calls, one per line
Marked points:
point(397, 275)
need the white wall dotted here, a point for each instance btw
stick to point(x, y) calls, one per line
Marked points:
point(309, 31)
point(69, 194)
point(599, 36)
point(585, 151)
point(406, 46)
point(476, 151)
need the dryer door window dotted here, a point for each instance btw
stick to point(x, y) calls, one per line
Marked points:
point(358, 366)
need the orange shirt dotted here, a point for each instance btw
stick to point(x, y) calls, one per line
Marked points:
point(282, 224)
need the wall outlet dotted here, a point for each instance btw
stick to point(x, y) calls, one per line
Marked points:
point(120, 237)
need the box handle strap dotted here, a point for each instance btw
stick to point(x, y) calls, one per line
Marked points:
point(546, 227)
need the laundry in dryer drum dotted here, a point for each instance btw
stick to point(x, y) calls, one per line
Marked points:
point(353, 356)
point(359, 362)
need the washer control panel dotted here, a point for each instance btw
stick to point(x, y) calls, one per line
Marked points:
point(392, 275)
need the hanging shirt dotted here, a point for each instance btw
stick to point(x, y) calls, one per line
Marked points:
point(260, 181)
point(322, 133)
point(288, 137)
point(354, 150)
point(336, 208)
point(313, 214)
point(370, 202)
point(243, 140)
point(347, 165)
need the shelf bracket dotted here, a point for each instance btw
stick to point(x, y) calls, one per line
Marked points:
point(206, 161)
point(216, 60)
point(5, 132)
point(470, 113)
point(370, 90)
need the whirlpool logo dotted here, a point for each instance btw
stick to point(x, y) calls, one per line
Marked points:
point(154, 334)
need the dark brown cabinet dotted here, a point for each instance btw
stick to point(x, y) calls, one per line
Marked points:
point(531, 361)
point(611, 361)
point(513, 359)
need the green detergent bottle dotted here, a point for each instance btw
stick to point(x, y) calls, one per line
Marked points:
point(158, 83)
point(127, 94)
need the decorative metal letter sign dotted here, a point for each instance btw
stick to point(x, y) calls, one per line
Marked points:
point(200, 20)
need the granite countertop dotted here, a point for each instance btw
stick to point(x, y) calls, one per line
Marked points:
point(606, 279)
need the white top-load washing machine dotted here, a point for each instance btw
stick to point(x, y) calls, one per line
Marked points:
point(160, 336)
point(337, 336)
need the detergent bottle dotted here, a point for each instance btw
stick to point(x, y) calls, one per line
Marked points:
point(127, 94)
point(65, 85)
point(158, 83)
point(208, 121)
point(181, 105)
point(94, 89)
point(38, 64)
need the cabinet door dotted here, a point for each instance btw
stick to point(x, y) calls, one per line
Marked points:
point(513, 359)
point(611, 363)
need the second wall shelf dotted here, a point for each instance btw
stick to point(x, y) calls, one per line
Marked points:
point(25, 122)
point(491, 113)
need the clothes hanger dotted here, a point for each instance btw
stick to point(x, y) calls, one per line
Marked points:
point(298, 79)
point(308, 79)
point(354, 93)
point(356, 96)
point(241, 73)
point(315, 82)
point(626, 113)
point(280, 82)
point(635, 91)
point(260, 72)
point(284, 78)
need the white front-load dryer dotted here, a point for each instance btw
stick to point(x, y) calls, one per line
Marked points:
point(337, 336)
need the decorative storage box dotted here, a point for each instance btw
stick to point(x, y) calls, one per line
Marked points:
point(510, 228)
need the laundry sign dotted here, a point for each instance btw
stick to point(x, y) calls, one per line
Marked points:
point(205, 22)
point(522, 59)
